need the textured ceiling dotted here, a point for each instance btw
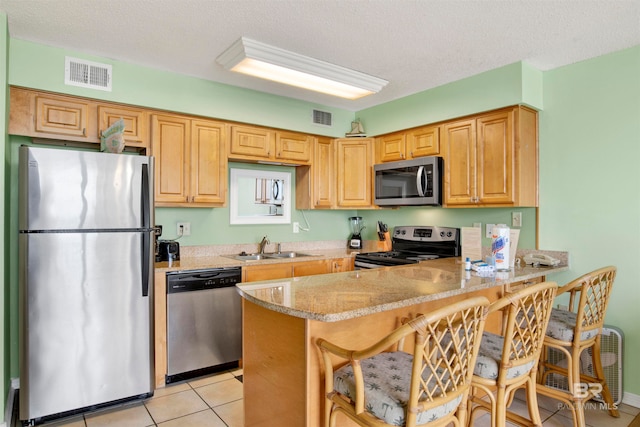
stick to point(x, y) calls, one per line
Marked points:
point(414, 44)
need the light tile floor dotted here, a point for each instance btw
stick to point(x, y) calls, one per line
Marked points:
point(216, 401)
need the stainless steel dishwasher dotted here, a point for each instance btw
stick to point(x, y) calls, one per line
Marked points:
point(204, 322)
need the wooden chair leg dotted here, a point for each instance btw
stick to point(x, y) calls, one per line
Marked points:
point(532, 403)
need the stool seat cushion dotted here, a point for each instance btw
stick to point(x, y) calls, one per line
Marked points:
point(562, 324)
point(386, 380)
point(490, 356)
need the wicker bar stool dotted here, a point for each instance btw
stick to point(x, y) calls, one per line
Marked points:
point(509, 361)
point(573, 331)
point(430, 385)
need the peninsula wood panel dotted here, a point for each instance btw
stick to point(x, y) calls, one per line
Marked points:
point(280, 357)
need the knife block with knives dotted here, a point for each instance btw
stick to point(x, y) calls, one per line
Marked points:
point(384, 239)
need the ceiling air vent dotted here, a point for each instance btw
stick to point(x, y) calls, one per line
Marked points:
point(83, 73)
point(321, 118)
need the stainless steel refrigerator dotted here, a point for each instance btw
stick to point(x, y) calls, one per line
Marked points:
point(86, 280)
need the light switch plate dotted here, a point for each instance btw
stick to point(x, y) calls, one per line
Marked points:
point(516, 219)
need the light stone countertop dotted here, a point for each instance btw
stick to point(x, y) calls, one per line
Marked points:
point(218, 256)
point(340, 296)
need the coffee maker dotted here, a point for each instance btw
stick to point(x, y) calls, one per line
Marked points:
point(356, 224)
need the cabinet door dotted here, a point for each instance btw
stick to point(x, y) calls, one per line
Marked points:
point(208, 162)
point(424, 141)
point(354, 172)
point(136, 132)
point(391, 147)
point(170, 144)
point(460, 162)
point(309, 268)
point(339, 265)
point(266, 272)
point(323, 170)
point(293, 146)
point(495, 142)
point(251, 142)
point(69, 117)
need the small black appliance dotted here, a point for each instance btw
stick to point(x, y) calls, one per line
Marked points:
point(169, 250)
point(355, 241)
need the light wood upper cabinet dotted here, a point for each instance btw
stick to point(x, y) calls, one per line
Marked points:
point(136, 121)
point(491, 159)
point(293, 146)
point(170, 145)
point(423, 141)
point(191, 165)
point(208, 162)
point(409, 144)
point(49, 116)
point(251, 142)
point(354, 160)
point(391, 147)
point(316, 184)
point(255, 144)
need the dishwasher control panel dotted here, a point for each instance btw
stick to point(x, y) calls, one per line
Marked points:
point(195, 280)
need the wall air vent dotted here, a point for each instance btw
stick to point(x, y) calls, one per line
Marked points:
point(83, 73)
point(322, 118)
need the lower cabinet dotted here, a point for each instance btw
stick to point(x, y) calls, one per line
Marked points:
point(255, 273)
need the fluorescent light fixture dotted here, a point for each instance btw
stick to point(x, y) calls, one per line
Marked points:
point(268, 62)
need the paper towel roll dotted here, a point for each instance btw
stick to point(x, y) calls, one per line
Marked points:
point(500, 246)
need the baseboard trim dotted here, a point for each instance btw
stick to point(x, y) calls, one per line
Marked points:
point(631, 399)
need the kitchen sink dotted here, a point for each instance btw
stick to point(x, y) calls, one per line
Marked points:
point(246, 257)
point(256, 256)
point(286, 255)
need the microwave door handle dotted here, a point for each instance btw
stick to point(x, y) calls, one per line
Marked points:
point(419, 181)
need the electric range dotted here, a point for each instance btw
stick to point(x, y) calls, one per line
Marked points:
point(412, 244)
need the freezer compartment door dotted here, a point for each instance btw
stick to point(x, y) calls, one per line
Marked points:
point(69, 190)
point(85, 325)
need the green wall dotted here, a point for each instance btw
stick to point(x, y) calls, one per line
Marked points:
point(590, 181)
point(574, 120)
point(513, 84)
point(5, 357)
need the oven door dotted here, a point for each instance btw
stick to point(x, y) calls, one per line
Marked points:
point(409, 182)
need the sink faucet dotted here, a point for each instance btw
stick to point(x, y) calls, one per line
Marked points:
point(264, 242)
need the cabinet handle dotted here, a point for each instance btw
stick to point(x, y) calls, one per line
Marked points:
point(402, 155)
point(84, 131)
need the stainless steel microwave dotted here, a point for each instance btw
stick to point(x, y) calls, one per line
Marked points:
point(409, 182)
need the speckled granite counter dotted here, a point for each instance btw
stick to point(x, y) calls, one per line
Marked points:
point(341, 296)
point(283, 319)
point(199, 257)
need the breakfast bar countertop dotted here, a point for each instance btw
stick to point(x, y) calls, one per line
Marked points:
point(341, 296)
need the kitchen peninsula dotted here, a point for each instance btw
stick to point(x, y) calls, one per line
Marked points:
point(282, 319)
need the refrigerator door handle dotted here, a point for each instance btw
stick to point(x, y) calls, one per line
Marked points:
point(146, 235)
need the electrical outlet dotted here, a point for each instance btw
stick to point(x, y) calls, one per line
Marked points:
point(183, 229)
point(488, 230)
point(296, 227)
point(516, 219)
